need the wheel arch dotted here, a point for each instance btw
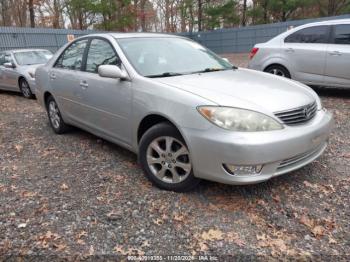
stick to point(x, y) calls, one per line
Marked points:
point(275, 64)
point(20, 77)
point(151, 120)
point(280, 65)
point(46, 95)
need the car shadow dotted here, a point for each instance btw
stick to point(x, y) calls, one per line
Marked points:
point(13, 93)
point(206, 189)
point(79, 133)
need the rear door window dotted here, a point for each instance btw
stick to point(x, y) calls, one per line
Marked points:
point(341, 34)
point(314, 34)
point(72, 57)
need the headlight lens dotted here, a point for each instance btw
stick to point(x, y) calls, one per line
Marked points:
point(237, 119)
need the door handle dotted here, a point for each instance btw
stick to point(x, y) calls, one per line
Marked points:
point(83, 84)
point(335, 53)
point(52, 76)
point(290, 50)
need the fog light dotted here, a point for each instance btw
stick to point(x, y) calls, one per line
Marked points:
point(243, 170)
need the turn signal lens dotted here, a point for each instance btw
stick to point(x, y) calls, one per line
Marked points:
point(206, 112)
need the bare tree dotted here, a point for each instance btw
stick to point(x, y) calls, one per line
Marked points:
point(31, 13)
point(51, 13)
point(143, 15)
point(200, 14)
point(244, 13)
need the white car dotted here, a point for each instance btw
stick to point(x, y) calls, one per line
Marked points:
point(314, 54)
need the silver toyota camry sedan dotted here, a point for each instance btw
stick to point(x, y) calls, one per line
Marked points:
point(17, 69)
point(186, 112)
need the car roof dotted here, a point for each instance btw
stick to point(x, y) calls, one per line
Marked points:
point(303, 26)
point(134, 35)
point(330, 22)
point(24, 50)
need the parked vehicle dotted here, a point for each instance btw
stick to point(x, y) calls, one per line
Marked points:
point(186, 112)
point(314, 54)
point(17, 69)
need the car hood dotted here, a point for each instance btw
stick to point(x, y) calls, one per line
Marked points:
point(28, 68)
point(245, 88)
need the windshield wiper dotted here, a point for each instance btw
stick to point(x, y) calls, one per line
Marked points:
point(211, 70)
point(207, 70)
point(165, 74)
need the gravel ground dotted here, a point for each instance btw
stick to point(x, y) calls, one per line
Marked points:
point(78, 195)
point(239, 59)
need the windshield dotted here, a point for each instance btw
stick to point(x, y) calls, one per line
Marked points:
point(32, 57)
point(169, 56)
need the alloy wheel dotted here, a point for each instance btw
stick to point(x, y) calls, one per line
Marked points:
point(169, 159)
point(25, 89)
point(276, 71)
point(54, 114)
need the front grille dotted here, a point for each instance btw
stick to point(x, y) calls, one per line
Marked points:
point(298, 115)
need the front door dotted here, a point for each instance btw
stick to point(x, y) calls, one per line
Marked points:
point(107, 101)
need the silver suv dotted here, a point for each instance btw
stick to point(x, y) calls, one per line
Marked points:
point(315, 54)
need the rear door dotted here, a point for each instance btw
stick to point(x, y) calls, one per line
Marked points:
point(64, 79)
point(338, 57)
point(305, 51)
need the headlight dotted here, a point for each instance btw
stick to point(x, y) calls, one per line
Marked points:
point(237, 119)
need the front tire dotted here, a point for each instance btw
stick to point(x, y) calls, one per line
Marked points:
point(25, 89)
point(55, 118)
point(165, 159)
point(278, 70)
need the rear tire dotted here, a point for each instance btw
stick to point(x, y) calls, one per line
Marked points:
point(25, 89)
point(165, 159)
point(278, 70)
point(55, 118)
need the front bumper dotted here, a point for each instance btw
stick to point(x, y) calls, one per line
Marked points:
point(278, 151)
point(32, 85)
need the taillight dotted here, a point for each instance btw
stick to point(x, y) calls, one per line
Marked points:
point(253, 52)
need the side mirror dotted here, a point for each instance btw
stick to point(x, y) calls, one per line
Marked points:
point(111, 71)
point(9, 65)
